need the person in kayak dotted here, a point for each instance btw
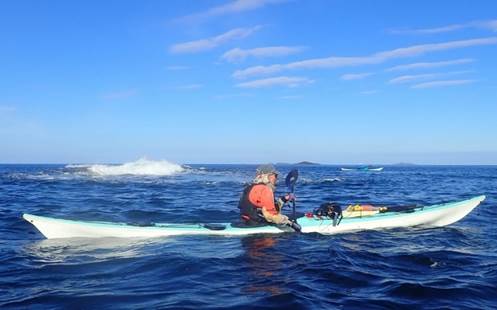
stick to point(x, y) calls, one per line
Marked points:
point(258, 205)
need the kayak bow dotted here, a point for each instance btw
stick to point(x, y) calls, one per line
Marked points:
point(429, 216)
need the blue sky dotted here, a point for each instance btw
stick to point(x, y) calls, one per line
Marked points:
point(248, 81)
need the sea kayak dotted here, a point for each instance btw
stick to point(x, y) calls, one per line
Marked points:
point(428, 216)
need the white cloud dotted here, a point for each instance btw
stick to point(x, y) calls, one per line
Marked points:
point(116, 95)
point(417, 50)
point(426, 65)
point(416, 77)
point(287, 81)
point(212, 42)
point(233, 7)
point(257, 70)
point(355, 76)
point(442, 83)
point(410, 78)
point(380, 57)
point(443, 29)
point(238, 54)
point(487, 24)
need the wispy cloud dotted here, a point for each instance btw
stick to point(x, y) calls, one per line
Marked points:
point(442, 83)
point(238, 54)
point(233, 7)
point(287, 81)
point(177, 68)
point(116, 95)
point(490, 24)
point(190, 86)
point(442, 29)
point(417, 50)
point(355, 76)
point(212, 42)
point(428, 65)
point(380, 57)
point(416, 77)
point(487, 24)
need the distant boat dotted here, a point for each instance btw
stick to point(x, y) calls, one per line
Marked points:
point(362, 169)
point(376, 169)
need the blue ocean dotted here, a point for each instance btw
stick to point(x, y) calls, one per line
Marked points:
point(453, 267)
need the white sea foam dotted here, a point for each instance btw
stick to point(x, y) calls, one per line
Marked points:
point(74, 166)
point(140, 167)
point(332, 180)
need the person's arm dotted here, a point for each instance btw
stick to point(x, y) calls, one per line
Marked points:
point(267, 201)
point(269, 210)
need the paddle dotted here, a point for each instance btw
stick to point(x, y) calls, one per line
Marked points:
point(290, 181)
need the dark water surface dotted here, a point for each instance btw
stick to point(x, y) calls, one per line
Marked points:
point(453, 267)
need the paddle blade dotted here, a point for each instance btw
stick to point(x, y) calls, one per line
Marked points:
point(291, 179)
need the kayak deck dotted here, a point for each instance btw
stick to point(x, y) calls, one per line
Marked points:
point(431, 216)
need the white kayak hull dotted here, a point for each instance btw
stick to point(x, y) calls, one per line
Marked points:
point(429, 216)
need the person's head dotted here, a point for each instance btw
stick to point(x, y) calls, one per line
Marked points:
point(266, 174)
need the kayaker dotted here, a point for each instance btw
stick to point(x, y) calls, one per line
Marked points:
point(257, 203)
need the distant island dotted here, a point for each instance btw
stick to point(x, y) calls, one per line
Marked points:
point(306, 163)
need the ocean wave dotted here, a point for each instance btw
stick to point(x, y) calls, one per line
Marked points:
point(77, 166)
point(329, 180)
point(140, 167)
point(311, 181)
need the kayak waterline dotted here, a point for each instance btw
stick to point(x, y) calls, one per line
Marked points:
point(429, 216)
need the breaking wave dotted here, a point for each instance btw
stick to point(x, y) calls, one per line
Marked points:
point(76, 166)
point(140, 167)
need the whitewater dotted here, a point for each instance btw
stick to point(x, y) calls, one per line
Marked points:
point(141, 166)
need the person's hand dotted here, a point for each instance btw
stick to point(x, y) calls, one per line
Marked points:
point(289, 197)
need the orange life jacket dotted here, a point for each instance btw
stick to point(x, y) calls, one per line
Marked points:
point(255, 197)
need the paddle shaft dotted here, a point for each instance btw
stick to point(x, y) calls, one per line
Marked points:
point(291, 180)
point(293, 209)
